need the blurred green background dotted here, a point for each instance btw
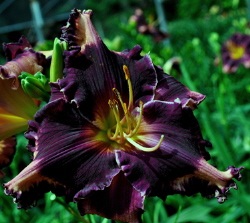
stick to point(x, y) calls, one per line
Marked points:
point(196, 30)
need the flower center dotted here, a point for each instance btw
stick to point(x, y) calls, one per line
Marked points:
point(236, 51)
point(127, 127)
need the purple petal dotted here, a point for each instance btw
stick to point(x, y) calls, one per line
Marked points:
point(178, 166)
point(11, 50)
point(90, 58)
point(56, 92)
point(66, 155)
point(169, 89)
point(181, 148)
point(120, 201)
point(21, 57)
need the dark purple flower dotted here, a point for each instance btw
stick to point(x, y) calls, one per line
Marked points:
point(16, 107)
point(236, 51)
point(145, 28)
point(116, 129)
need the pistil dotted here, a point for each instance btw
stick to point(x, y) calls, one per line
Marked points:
point(125, 110)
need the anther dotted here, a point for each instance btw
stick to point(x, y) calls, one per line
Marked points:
point(130, 88)
point(118, 95)
point(111, 104)
point(126, 72)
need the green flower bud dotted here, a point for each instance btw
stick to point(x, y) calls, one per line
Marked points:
point(56, 67)
point(36, 86)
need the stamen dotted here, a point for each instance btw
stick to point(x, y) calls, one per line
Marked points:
point(118, 95)
point(130, 88)
point(114, 107)
point(127, 120)
point(145, 149)
point(125, 110)
point(139, 120)
point(127, 126)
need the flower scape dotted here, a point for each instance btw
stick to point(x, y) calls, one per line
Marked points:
point(114, 130)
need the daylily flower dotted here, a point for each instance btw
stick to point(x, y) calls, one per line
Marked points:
point(147, 29)
point(116, 129)
point(236, 51)
point(16, 108)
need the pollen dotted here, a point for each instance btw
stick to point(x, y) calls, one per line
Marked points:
point(127, 124)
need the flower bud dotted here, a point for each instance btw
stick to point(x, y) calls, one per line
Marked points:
point(56, 67)
point(36, 86)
